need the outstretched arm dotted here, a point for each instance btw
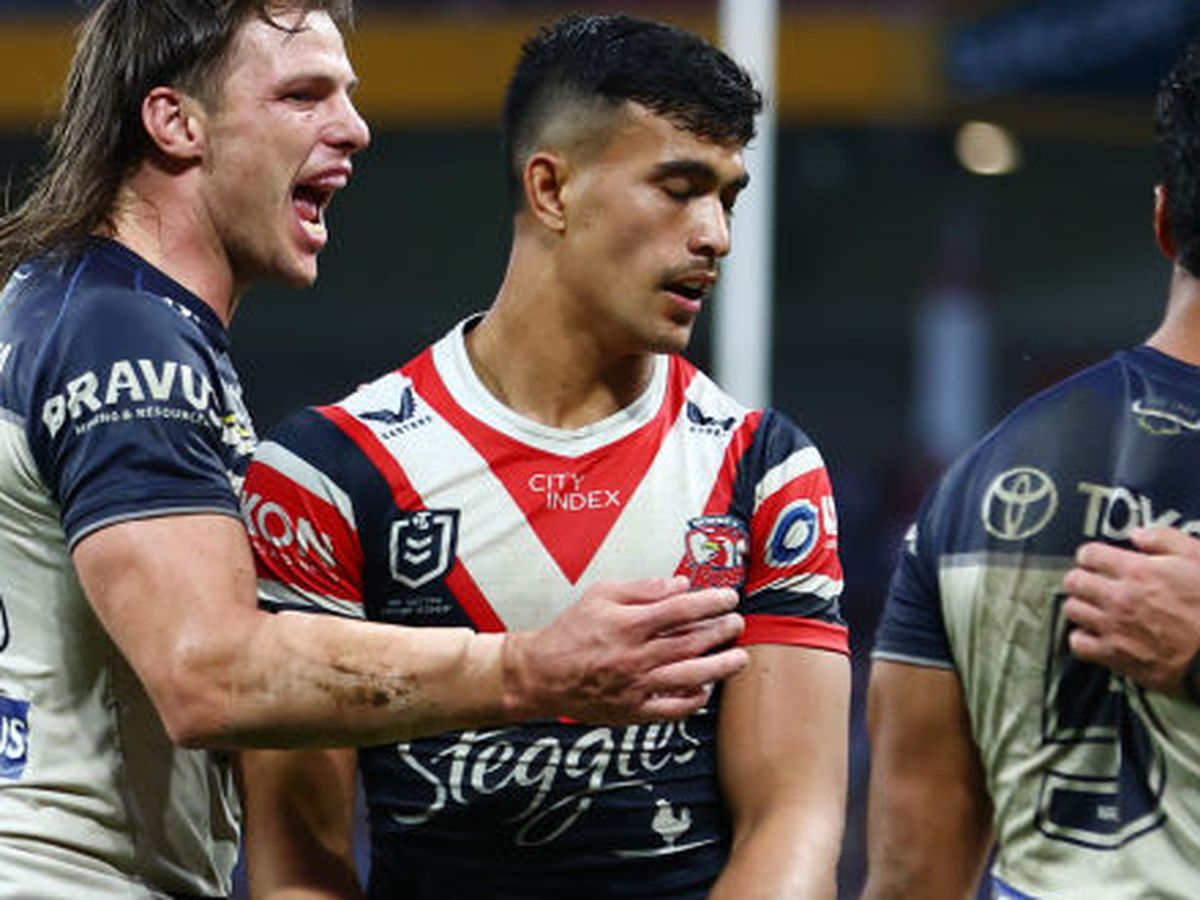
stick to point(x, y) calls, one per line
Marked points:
point(783, 763)
point(177, 595)
point(1138, 613)
point(929, 816)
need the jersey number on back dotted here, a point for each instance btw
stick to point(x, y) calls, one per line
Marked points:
point(1108, 777)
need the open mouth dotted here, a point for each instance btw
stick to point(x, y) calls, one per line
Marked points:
point(692, 288)
point(691, 291)
point(310, 202)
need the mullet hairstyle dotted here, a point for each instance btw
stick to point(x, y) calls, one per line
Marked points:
point(1177, 146)
point(125, 49)
point(587, 64)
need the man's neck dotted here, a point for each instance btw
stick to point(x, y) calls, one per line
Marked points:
point(153, 221)
point(541, 366)
point(1179, 333)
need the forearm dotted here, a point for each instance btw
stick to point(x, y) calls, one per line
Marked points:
point(299, 824)
point(790, 854)
point(177, 596)
point(784, 772)
point(914, 854)
point(929, 814)
point(301, 873)
point(319, 680)
point(305, 680)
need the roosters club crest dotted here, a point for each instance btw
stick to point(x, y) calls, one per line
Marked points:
point(716, 551)
point(422, 545)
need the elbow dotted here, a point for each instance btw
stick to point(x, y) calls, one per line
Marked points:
point(191, 692)
point(194, 728)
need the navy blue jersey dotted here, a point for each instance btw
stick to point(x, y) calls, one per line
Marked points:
point(1093, 779)
point(118, 401)
point(420, 500)
point(123, 381)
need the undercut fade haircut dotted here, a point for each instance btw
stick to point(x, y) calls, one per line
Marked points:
point(597, 63)
point(125, 49)
point(1177, 145)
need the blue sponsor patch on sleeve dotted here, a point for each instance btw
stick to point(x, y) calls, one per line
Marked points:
point(14, 737)
point(794, 535)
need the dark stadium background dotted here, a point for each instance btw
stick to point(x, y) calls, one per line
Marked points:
point(877, 221)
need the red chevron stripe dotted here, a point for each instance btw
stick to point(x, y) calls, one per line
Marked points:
point(459, 580)
point(571, 503)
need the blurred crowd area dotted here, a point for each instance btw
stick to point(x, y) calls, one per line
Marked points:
point(921, 290)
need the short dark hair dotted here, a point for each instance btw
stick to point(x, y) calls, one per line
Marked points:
point(1177, 144)
point(125, 49)
point(605, 60)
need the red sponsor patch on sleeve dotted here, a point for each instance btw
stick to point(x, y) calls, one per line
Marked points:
point(300, 539)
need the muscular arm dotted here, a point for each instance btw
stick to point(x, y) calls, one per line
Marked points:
point(783, 764)
point(299, 807)
point(177, 595)
point(1138, 613)
point(929, 819)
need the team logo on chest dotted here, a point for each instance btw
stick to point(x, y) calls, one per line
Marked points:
point(422, 545)
point(1161, 417)
point(716, 551)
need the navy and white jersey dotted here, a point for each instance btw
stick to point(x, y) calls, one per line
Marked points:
point(118, 401)
point(1094, 780)
point(421, 500)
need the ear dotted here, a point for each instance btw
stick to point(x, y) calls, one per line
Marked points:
point(1162, 228)
point(175, 123)
point(545, 179)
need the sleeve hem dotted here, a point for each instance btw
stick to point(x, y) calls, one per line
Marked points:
point(765, 629)
point(75, 537)
point(911, 659)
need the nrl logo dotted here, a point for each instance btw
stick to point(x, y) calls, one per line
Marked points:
point(422, 546)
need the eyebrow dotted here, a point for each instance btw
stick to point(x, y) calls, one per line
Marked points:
point(692, 168)
point(314, 76)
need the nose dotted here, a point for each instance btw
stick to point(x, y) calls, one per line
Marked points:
point(711, 235)
point(351, 132)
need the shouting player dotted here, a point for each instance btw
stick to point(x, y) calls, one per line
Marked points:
point(556, 439)
point(199, 145)
point(984, 722)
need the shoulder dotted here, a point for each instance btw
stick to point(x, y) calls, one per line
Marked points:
point(88, 349)
point(391, 395)
point(111, 324)
point(1009, 487)
point(1092, 395)
point(1045, 426)
point(111, 307)
point(709, 397)
point(707, 404)
point(341, 440)
point(780, 428)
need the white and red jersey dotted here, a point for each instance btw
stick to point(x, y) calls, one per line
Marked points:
point(421, 500)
